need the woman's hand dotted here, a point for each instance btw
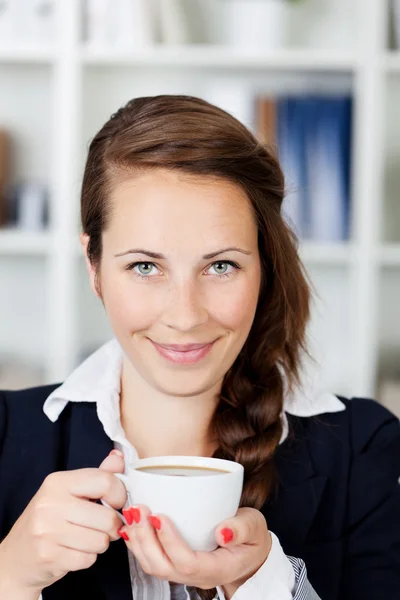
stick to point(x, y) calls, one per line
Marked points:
point(61, 530)
point(244, 539)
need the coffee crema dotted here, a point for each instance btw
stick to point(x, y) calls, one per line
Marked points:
point(182, 471)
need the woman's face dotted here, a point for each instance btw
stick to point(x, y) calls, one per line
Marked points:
point(182, 297)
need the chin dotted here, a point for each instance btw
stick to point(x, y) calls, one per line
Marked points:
point(183, 387)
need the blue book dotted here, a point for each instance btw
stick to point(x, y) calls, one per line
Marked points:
point(328, 167)
point(291, 147)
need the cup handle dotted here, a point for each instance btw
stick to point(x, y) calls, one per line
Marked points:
point(124, 480)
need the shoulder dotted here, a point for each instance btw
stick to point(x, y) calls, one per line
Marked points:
point(371, 424)
point(29, 398)
point(359, 422)
point(366, 422)
point(364, 429)
point(23, 406)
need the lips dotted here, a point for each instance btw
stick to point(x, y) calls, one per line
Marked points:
point(191, 353)
point(183, 347)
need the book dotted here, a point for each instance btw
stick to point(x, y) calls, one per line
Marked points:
point(395, 10)
point(328, 167)
point(36, 21)
point(97, 22)
point(4, 174)
point(291, 134)
point(173, 22)
point(9, 11)
point(131, 24)
point(123, 24)
point(233, 96)
point(266, 120)
point(29, 206)
point(314, 148)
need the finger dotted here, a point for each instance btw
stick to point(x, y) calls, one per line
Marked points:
point(182, 558)
point(114, 462)
point(247, 527)
point(94, 483)
point(144, 543)
point(74, 560)
point(83, 539)
point(94, 516)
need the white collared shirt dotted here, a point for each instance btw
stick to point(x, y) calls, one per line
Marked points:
point(97, 380)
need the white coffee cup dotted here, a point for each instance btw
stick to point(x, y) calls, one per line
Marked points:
point(196, 503)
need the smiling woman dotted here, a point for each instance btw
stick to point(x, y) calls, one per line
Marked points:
point(200, 278)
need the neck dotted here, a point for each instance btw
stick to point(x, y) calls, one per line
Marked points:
point(158, 424)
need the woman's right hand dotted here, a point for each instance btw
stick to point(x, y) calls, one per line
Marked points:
point(61, 529)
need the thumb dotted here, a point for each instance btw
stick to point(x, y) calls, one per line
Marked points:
point(114, 462)
point(243, 528)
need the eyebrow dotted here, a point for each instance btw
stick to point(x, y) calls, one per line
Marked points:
point(161, 256)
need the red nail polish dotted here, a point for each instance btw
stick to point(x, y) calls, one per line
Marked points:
point(123, 534)
point(155, 521)
point(227, 534)
point(135, 514)
point(128, 515)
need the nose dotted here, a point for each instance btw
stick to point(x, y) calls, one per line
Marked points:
point(185, 308)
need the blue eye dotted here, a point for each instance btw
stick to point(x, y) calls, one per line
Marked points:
point(226, 263)
point(145, 274)
point(141, 274)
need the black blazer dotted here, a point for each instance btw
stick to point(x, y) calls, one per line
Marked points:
point(337, 506)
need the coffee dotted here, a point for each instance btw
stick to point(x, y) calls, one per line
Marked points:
point(181, 471)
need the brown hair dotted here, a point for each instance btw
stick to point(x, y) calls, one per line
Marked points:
point(189, 135)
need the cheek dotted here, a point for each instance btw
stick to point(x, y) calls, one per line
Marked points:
point(127, 305)
point(236, 309)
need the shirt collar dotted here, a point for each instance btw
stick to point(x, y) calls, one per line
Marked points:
point(97, 379)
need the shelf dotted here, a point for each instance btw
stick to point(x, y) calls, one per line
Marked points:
point(389, 255)
point(26, 54)
point(202, 55)
point(14, 242)
point(391, 61)
point(63, 82)
point(339, 253)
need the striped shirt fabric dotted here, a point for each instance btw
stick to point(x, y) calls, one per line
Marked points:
point(303, 588)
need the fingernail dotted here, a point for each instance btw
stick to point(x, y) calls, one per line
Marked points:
point(227, 534)
point(155, 521)
point(128, 515)
point(117, 452)
point(135, 514)
point(123, 534)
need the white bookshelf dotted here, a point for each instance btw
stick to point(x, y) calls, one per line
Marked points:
point(202, 55)
point(26, 54)
point(84, 86)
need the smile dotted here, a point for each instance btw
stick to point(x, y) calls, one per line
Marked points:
point(184, 357)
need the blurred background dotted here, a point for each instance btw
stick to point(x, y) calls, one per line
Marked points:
point(319, 80)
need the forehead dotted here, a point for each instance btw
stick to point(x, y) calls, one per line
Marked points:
point(162, 204)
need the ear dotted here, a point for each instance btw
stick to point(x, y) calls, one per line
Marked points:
point(84, 238)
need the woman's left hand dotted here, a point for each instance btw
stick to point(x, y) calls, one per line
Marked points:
point(163, 553)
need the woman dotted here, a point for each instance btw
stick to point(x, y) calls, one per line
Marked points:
point(201, 281)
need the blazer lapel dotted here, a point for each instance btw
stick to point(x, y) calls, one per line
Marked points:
point(88, 445)
point(291, 511)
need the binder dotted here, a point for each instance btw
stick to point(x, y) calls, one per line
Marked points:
point(292, 154)
point(328, 168)
point(4, 174)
